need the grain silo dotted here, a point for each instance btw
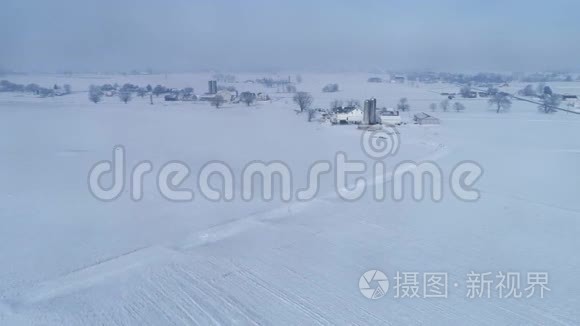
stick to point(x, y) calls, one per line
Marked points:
point(212, 87)
point(370, 112)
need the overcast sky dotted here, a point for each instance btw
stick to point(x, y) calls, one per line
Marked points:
point(252, 35)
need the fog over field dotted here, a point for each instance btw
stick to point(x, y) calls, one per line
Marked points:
point(177, 35)
point(289, 162)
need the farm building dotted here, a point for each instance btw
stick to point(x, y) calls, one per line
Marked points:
point(398, 79)
point(349, 114)
point(226, 95)
point(390, 117)
point(567, 97)
point(172, 97)
point(425, 119)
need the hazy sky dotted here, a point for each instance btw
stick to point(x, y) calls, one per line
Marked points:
point(459, 35)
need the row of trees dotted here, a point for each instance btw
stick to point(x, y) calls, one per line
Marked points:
point(502, 102)
point(479, 78)
point(96, 94)
point(125, 92)
point(445, 106)
point(330, 88)
point(140, 91)
point(539, 91)
point(499, 100)
point(403, 104)
point(549, 77)
point(270, 82)
point(549, 102)
point(346, 103)
point(225, 78)
point(7, 86)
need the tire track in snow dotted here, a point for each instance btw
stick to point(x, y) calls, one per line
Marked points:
point(237, 226)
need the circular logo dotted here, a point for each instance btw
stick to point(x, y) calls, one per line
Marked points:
point(379, 144)
point(373, 284)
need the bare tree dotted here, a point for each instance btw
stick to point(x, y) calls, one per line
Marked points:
point(335, 104)
point(158, 90)
point(549, 103)
point(298, 79)
point(311, 114)
point(465, 91)
point(353, 102)
point(141, 92)
point(217, 101)
point(95, 94)
point(540, 89)
point(303, 100)
point(501, 101)
point(290, 89)
point(491, 91)
point(403, 105)
point(188, 92)
point(458, 107)
point(247, 97)
point(433, 107)
point(67, 89)
point(445, 105)
point(226, 88)
point(125, 96)
point(528, 91)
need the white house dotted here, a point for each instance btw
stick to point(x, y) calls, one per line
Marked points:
point(347, 115)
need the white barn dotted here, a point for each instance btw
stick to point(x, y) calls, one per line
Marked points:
point(390, 117)
point(348, 115)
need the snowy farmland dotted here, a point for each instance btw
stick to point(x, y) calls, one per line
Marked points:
point(69, 259)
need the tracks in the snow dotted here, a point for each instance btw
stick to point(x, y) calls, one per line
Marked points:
point(113, 267)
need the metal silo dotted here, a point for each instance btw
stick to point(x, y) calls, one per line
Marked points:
point(372, 111)
point(367, 113)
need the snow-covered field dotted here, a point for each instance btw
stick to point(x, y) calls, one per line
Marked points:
point(67, 258)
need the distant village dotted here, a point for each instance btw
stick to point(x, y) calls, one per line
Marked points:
point(488, 86)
